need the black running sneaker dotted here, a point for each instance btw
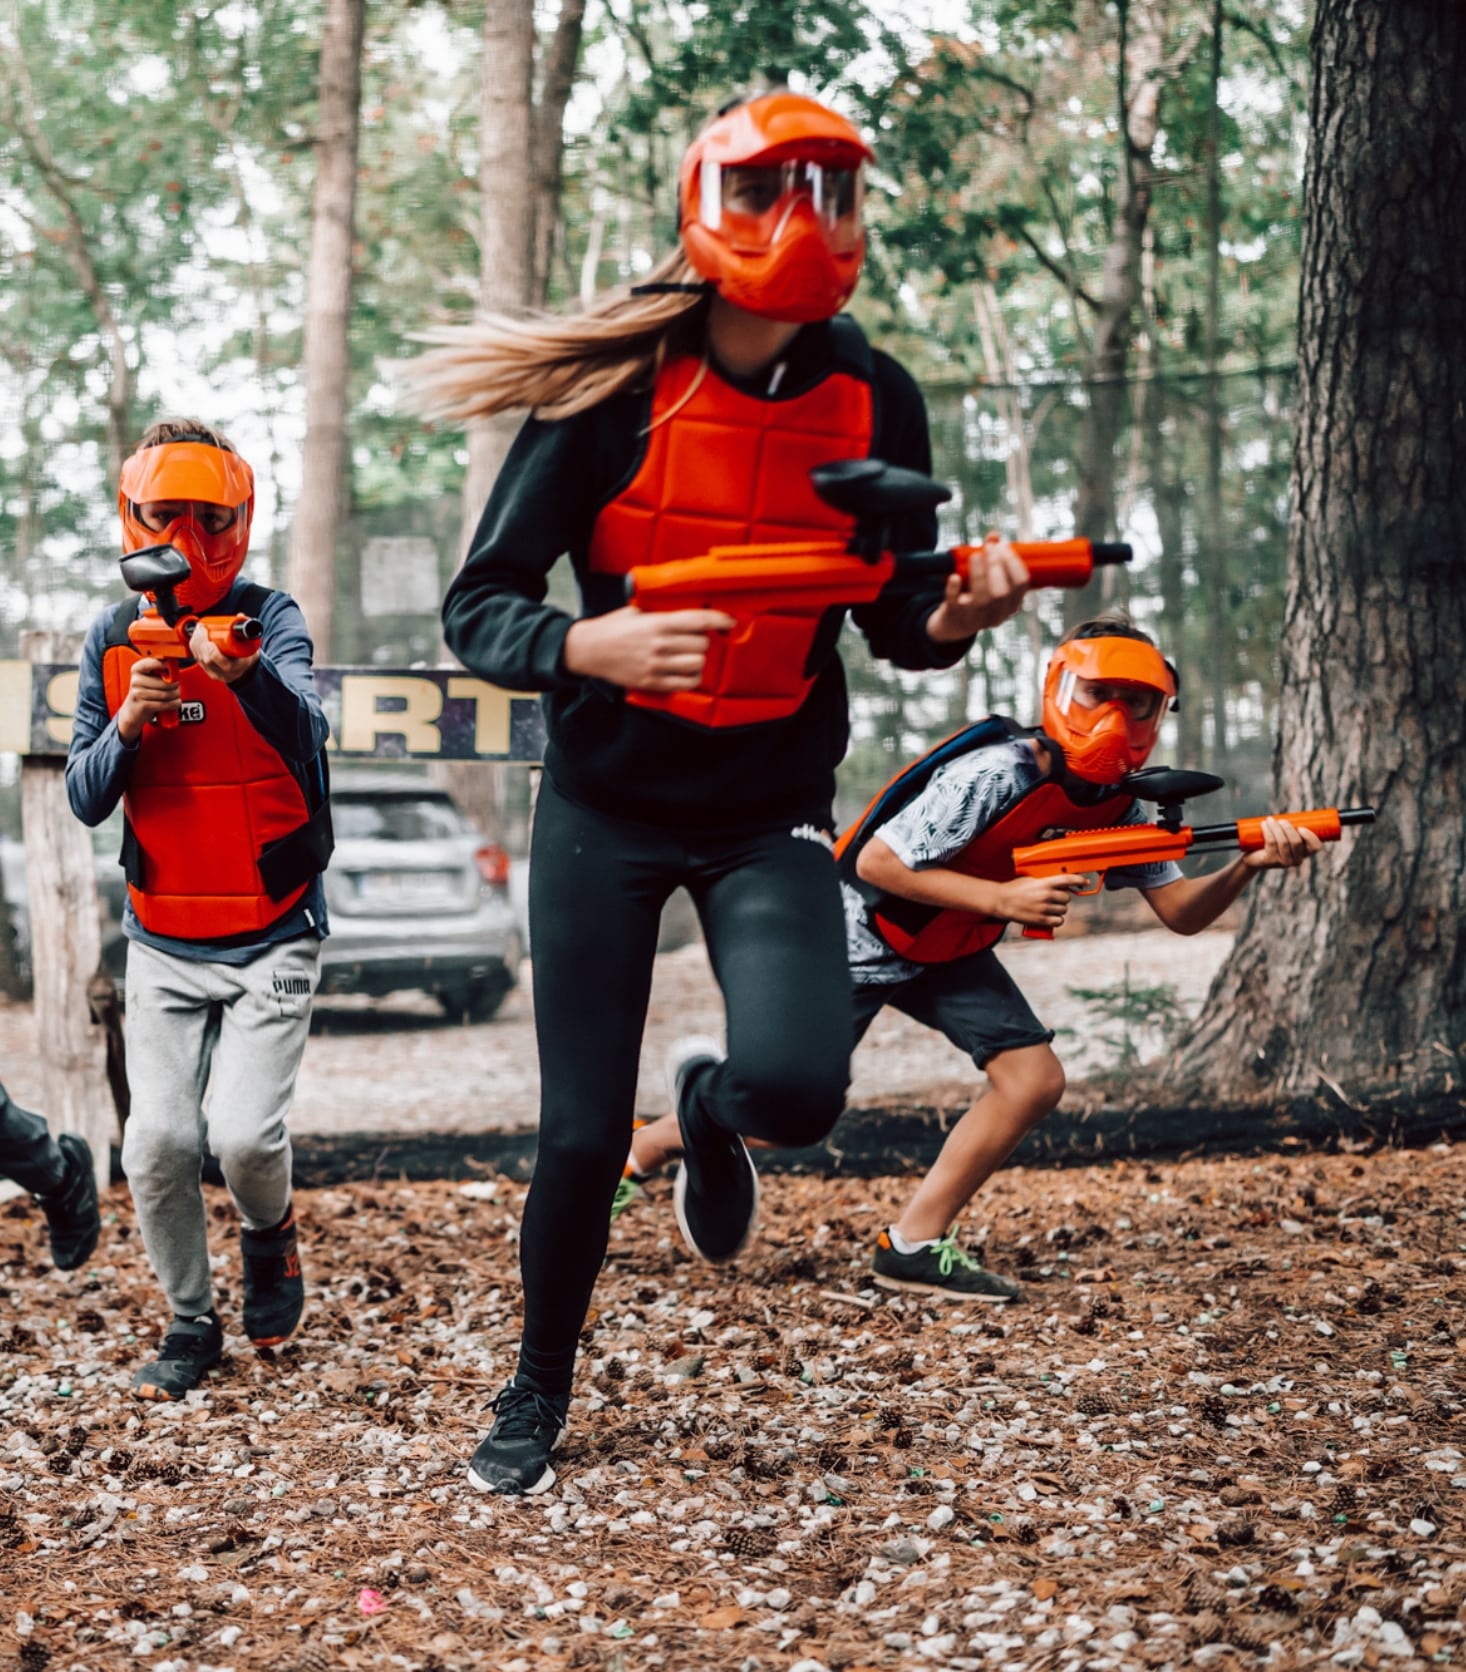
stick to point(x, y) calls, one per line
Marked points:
point(191, 1348)
point(943, 1269)
point(72, 1215)
point(274, 1293)
point(514, 1456)
point(716, 1192)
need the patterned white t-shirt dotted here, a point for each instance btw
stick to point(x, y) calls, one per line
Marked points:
point(962, 799)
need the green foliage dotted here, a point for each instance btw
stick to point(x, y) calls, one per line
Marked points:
point(1139, 1015)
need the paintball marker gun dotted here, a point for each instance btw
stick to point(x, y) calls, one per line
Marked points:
point(804, 578)
point(163, 629)
point(1099, 851)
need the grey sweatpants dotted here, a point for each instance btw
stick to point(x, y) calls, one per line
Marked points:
point(237, 1031)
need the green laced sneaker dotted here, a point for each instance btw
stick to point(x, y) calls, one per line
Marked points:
point(943, 1269)
point(627, 1190)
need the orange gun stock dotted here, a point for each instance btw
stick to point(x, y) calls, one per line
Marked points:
point(1099, 851)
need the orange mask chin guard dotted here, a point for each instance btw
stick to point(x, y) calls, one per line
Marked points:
point(1104, 740)
point(770, 197)
point(191, 472)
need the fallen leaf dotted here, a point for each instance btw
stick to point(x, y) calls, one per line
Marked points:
point(1043, 1589)
point(721, 1619)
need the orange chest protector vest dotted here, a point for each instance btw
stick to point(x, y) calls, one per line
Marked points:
point(222, 836)
point(937, 934)
point(723, 468)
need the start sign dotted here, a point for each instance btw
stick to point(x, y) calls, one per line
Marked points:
point(375, 713)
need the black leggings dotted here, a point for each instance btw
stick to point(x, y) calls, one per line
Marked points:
point(772, 918)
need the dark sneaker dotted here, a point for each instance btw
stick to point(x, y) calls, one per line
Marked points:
point(514, 1456)
point(716, 1192)
point(191, 1348)
point(274, 1293)
point(72, 1216)
point(943, 1269)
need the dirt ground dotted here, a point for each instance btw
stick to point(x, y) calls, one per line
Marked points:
point(1226, 1421)
point(398, 1066)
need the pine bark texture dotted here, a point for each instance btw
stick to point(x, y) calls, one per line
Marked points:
point(311, 562)
point(1348, 982)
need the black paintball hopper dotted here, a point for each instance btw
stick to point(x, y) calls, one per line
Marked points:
point(1169, 787)
point(157, 570)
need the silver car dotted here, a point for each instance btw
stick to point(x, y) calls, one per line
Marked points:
point(418, 898)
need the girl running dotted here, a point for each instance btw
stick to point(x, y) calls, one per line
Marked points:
point(681, 415)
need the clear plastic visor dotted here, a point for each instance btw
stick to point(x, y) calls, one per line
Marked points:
point(750, 204)
point(1140, 702)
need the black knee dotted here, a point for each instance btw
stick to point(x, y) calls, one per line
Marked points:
point(796, 1108)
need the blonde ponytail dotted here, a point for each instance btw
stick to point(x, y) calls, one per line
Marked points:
point(556, 364)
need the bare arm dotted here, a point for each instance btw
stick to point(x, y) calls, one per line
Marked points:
point(1194, 903)
point(1039, 902)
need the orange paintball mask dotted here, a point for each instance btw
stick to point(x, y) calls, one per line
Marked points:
point(770, 197)
point(1104, 701)
point(196, 497)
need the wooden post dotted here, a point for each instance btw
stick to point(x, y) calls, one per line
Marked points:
point(66, 939)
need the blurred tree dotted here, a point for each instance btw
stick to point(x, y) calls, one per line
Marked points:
point(311, 565)
point(1349, 983)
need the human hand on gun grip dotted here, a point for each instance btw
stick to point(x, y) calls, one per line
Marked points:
point(644, 650)
point(228, 669)
point(996, 582)
point(1039, 902)
point(1284, 846)
point(148, 696)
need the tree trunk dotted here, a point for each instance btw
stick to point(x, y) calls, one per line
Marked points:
point(311, 562)
point(507, 187)
point(1214, 563)
point(1141, 73)
point(1348, 981)
point(66, 940)
point(561, 58)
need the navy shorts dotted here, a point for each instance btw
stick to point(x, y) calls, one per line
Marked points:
point(973, 1001)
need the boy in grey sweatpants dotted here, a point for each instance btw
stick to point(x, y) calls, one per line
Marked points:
point(222, 779)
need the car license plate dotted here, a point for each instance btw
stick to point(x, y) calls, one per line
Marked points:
point(406, 888)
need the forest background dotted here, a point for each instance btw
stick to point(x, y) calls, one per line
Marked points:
point(1084, 234)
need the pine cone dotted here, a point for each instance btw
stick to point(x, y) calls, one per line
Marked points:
point(763, 1467)
point(1236, 1532)
point(1277, 1600)
point(719, 1447)
point(89, 1322)
point(1345, 1499)
point(903, 1362)
point(76, 1440)
point(615, 1370)
point(311, 1659)
point(830, 1460)
point(1249, 1632)
point(1096, 1404)
point(793, 1365)
point(752, 1542)
point(34, 1657)
point(1208, 1628)
point(1025, 1532)
point(1213, 1409)
point(903, 1439)
point(921, 1486)
point(1087, 1325)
